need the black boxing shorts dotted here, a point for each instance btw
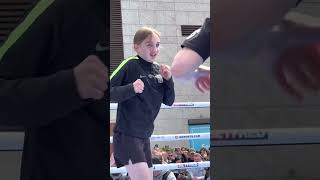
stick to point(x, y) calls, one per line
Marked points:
point(127, 148)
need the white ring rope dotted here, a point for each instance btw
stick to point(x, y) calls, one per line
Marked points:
point(231, 137)
point(176, 137)
point(274, 136)
point(157, 167)
point(113, 106)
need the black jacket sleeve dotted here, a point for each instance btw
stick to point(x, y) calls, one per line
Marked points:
point(169, 94)
point(199, 40)
point(28, 98)
point(119, 91)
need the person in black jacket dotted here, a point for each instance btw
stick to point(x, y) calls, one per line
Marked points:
point(139, 86)
point(53, 82)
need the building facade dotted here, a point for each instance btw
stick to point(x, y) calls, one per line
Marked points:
point(167, 16)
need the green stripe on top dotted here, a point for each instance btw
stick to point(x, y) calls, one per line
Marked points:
point(39, 8)
point(121, 65)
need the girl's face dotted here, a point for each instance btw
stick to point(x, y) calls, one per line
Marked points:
point(149, 48)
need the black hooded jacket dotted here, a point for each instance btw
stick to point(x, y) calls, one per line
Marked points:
point(136, 112)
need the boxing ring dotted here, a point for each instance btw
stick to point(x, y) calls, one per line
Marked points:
point(173, 137)
point(172, 166)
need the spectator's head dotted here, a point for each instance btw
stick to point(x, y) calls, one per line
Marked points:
point(178, 159)
point(171, 156)
point(190, 155)
point(203, 150)
point(177, 151)
point(156, 148)
point(164, 155)
point(204, 153)
point(197, 157)
point(156, 151)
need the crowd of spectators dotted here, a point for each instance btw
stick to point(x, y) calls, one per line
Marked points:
point(167, 155)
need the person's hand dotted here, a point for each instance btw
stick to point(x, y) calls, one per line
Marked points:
point(298, 70)
point(165, 71)
point(91, 77)
point(138, 86)
point(202, 81)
